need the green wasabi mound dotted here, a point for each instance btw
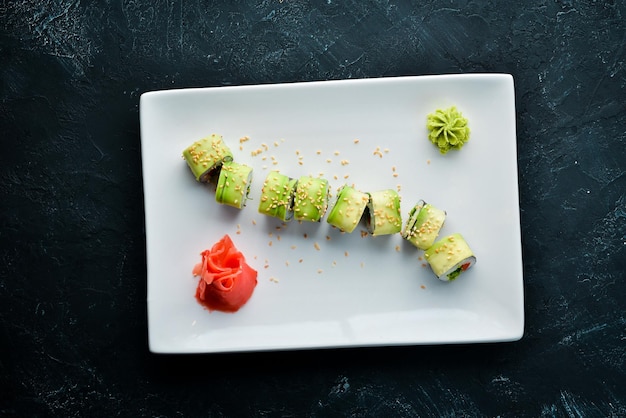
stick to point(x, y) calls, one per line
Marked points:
point(447, 129)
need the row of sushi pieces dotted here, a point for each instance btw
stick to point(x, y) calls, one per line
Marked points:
point(306, 199)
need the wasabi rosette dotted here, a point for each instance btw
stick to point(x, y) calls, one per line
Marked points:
point(382, 215)
point(233, 184)
point(450, 257)
point(348, 208)
point(311, 199)
point(447, 129)
point(206, 156)
point(277, 196)
point(423, 226)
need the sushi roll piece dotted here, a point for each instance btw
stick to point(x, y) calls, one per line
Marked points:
point(382, 215)
point(348, 208)
point(233, 184)
point(205, 157)
point(449, 257)
point(423, 226)
point(311, 199)
point(277, 196)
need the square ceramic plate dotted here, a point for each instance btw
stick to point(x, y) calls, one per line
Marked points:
point(355, 290)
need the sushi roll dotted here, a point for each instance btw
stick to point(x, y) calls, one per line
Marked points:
point(311, 199)
point(382, 215)
point(348, 209)
point(205, 157)
point(449, 257)
point(233, 184)
point(277, 196)
point(423, 226)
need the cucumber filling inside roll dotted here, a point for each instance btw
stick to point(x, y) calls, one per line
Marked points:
point(233, 184)
point(348, 209)
point(206, 156)
point(450, 257)
point(277, 196)
point(311, 199)
point(382, 215)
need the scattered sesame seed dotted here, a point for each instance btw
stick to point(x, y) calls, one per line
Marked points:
point(320, 271)
point(423, 287)
point(397, 248)
point(300, 261)
point(356, 141)
point(345, 254)
point(293, 247)
point(317, 246)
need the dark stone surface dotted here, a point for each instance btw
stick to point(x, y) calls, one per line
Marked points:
point(73, 332)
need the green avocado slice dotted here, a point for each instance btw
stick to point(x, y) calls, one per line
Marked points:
point(423, 226)
point(449, 257)
point(348, 209)
point(233, 184)
point(311, 199)
point(277, 196)
point(382, 215)
point(205, 157)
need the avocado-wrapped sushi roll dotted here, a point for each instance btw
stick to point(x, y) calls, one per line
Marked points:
point(311, 199)
point(423, 226)
point(348, 208)
point(449, 257)
point(277, 196)
point(382, 215)
point(233, 184)
point(205, 157)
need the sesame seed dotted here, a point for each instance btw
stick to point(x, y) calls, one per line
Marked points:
point(356, 141)
point(317, 246)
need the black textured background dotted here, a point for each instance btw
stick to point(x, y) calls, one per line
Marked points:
point(73, 332)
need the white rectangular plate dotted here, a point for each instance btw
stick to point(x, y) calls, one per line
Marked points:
point(354, 290)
